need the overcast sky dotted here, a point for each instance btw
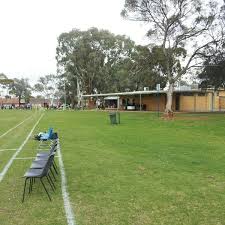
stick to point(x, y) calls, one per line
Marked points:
point(29, 30)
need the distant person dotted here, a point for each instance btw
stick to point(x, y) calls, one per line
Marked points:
point(98, 103)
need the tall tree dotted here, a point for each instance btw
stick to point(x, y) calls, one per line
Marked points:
point(4, 83)
point(20, 88)
point(142, 69)
point(4, 79)
point(213, 74)
point(47, 86)
point(2, 76)
point(90, 59)
point(176, 25)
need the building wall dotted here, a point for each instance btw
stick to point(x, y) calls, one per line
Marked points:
point(188, 102)
point(219, 101)
point(221, 93)
point(196, 103)
point(152, 102)
point(202, 103)
point(211, 102)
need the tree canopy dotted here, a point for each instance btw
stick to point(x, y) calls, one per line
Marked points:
point(47, 86)
point(4, 79)
point(92, 57)
point(21, 89)
point(101, 61)
point(213, 74)
point(186, 30)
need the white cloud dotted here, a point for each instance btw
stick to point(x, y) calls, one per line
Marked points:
point(29, 30)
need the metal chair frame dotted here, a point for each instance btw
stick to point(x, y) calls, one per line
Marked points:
point(33, 174)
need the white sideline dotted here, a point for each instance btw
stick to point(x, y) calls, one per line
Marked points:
point(7, 166)
point(26, 158)
point(3, 150)
point(15, 127)
point(67, 205)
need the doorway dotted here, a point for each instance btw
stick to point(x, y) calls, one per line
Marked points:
point(177, 102)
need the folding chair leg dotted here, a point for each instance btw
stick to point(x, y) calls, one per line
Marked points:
point(24, 189)
point(55, 164)
point(51, 181)
point(53, 174)
point(45, 189)
point(32, 181)
point(30, 185)
point(52, 187)
point(55, 168)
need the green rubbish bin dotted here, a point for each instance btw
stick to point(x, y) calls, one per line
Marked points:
point(112, 116)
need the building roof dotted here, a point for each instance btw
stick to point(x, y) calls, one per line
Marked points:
point(145, 93)
point(111, 98)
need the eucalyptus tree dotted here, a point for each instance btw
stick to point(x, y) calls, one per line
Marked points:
point(90, 59)
point(186, 31)
point(2, 76)
point(4, 81)
point(213, 74)
point(142, 69)
point(47, 86)
point(20, 88)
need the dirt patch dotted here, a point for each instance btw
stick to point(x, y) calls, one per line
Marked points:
point(186, 118)
point(192, 118)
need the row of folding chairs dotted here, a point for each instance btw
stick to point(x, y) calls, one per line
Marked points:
point(42, 168)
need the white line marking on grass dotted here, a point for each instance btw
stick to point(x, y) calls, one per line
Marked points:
point(30, 157)
point(14, 127)
point(26, 158)
point(2, 150)
point(6, 168)
point(67, 205)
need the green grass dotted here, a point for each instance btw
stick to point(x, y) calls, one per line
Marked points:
point(10, 118)
point(143, 171)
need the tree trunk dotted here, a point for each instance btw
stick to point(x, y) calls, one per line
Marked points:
point(79, 94)
point(168, 110)
point(73, 102)
point(19, 101)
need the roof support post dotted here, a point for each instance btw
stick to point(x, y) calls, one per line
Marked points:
point(213, 98)
point(140, 103)
point(195, 99)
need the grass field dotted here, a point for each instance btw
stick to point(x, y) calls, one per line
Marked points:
point(144, 171)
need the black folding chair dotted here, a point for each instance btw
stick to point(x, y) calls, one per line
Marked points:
point(40, 164)
point(45, 144)
point(33, 174)
point(42, 156)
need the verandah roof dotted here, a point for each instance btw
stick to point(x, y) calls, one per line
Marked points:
point(144, 93)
